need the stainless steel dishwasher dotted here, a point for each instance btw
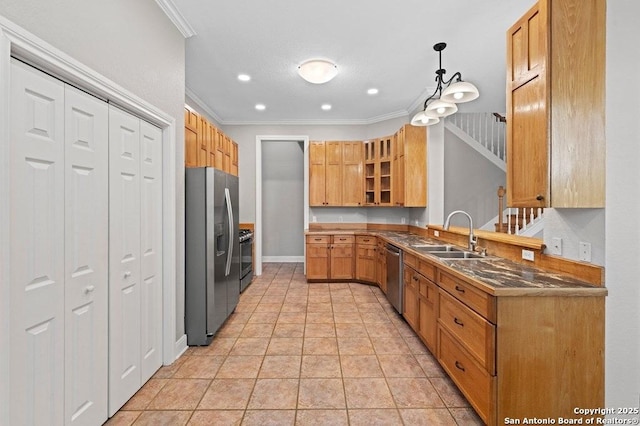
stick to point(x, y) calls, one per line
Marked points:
point(394, 277)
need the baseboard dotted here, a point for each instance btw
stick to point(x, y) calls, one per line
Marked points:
point(283, 259)
point(181, 346)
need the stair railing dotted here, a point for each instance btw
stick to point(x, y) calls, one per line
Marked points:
point(487, 128)
point(518, 220)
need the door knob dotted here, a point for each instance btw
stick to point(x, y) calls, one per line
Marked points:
point(88, 289)
point(127, 274)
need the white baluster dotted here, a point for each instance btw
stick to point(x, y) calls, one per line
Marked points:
point(509, 220)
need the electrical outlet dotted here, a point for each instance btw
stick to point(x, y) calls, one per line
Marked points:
point(314, 219)
point(436, 233)
point(403, 220)
point(556, 246)
point(527, 255)
point(340, 219)
point(585, 251)
point(417, 223)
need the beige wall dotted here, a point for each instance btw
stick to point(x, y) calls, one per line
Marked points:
point(133, 44)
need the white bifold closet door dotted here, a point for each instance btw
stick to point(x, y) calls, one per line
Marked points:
point(59, 252)
point(135, 244)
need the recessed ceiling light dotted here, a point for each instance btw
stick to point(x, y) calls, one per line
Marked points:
point(244, 77)
point(326, 107)
point(372, 91)
point(317, 71)
point(260, 107)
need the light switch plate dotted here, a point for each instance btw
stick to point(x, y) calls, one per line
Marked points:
point(585, 251)
point(436, 233)
point(527, 255)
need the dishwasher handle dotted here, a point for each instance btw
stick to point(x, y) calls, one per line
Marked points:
point(392, 249)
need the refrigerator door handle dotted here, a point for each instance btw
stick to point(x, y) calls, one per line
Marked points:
point(227, 196)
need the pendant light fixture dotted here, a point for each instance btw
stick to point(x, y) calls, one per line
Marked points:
point(449, 93)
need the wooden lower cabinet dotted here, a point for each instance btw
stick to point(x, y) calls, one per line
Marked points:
point(366, 248)
point(410, 308)
point(420, 302)
point(516, 357)
point(330, 257)
point(341, 257)
point(381, 266)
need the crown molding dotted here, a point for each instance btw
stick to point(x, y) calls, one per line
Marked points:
point(176, 17)
point(202, 104)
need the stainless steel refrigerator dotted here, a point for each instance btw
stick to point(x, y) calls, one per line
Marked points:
point(212, 252)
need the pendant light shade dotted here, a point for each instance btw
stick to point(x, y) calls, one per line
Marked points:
point(318, 71)
point(459, 92)
point(448, 93)
point(421, 119)
point(440, 108)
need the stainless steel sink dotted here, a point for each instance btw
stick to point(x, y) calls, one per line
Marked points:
point(456, 255)
point(431, 247)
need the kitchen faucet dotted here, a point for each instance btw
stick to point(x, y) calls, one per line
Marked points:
point(473, 240)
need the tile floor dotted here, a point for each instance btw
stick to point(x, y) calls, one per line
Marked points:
point(295, 353)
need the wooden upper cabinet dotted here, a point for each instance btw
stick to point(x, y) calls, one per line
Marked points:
point(317, 173)
point(226, 162)
point(555, 105)
point(219, 154)
point(333, 174)
point(527, 111)
point(208, 146)
point(352, 169)
point(415, 166)
point(378, 172)
point(203, 146)
point(234, 158)
point(191, 138)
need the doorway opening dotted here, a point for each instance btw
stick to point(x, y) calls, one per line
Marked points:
point(267, 149)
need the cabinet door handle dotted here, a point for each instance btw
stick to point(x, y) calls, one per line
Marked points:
point(457, 321)
point(459, 366)
point(415, 278)
point(539, 197)
point(459, 289)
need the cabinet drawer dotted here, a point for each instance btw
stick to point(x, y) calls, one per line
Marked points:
point(475, 333)
point(474, 382)
point(410, 260)
point(479, 301)
point(427, 269)
point(343, 239)
point(361, 239)
point(318, 239)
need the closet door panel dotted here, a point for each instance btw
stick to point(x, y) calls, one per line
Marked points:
point(124, 257)
point(151, 249)
point(37, 247)
point(86, 257)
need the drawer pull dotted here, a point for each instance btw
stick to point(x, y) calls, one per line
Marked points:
point(457, 321)
point(459, 366)
point(459, 289)
point(317, 239)
point(415, 278)
point(342, 239)
point(366, 240)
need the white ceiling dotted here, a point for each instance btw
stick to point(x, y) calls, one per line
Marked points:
point(375, 43)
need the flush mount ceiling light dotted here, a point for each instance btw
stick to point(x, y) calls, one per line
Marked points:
point(318, 71)
point(244, 77)
point(449, 93)
point(325, 107)
point(260, 107)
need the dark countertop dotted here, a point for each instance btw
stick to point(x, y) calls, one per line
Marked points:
point(494, 275)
